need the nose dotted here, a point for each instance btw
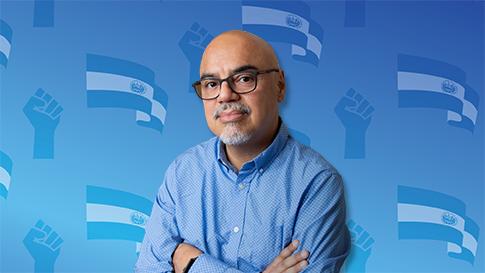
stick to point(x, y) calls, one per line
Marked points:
point(227, 94)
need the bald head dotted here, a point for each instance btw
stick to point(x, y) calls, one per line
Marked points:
point(241, 45)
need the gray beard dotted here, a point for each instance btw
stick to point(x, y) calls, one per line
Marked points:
point(231, 135)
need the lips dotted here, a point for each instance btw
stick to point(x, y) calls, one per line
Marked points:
point(231, 116)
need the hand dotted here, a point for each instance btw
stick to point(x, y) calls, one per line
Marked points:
point(44, 245)
point(361, 248)
point(194, 42)
point(182, 255)
point(44, 114)
point(284, 263)
point(43, 111)
point(355, 113)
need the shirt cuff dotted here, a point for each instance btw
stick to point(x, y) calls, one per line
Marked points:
point(206, 263)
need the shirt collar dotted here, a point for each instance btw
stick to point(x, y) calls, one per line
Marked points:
point(263, 159)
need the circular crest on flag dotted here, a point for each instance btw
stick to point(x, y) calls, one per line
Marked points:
point(449, 219)
point(448, 87)
point(138, 218)
point(137, 87)
point(293, 21)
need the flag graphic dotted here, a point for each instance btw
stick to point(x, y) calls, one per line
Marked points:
point(430, 215)
point(116, 215)
point(287, 22)
point(118, 83)
point(423, 82)
point(5, 174)
point(5, 42)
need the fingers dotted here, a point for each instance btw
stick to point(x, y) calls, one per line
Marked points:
point(297, 268)
point(293, 263)
point(286, 252)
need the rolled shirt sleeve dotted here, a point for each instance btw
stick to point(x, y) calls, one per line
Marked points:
point(161, 233)
point(320, 224)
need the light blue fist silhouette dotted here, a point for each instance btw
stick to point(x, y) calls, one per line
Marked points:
point(362, 244)
point(193, 44)
point(355, 113)
point(44, 245)
point(44, 113)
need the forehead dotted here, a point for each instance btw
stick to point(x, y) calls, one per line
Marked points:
point(225, 55)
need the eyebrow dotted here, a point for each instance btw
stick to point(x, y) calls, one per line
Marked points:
point(237, 70)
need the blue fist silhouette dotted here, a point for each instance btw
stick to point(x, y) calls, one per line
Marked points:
point(44, 114)
point(355, 113)
point(44, 245)
point(362, 244)
point(193, 44)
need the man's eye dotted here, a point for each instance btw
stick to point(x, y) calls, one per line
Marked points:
point(210, 84)
point(245, 79)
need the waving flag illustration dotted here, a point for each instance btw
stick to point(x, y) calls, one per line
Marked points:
point(287, 22)
point(423, 82)
point(5, 42)
point(116, 215)
point(425, 214)
point(5, 174)
point(118, 83)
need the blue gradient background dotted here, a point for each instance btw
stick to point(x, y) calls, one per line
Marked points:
point(105, 147)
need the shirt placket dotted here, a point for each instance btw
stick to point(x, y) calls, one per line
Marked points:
point(238, 211)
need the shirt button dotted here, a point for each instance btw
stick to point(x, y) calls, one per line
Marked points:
point(261, 170)
point(236, 229)
point(242, 186)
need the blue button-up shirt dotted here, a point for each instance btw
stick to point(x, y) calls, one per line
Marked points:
point(242, 220)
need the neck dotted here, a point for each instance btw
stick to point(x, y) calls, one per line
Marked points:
point(240, 154)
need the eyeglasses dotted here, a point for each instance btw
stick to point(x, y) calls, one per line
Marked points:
point(240, 82)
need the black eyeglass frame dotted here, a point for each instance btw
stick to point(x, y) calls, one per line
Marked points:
point(220, 81)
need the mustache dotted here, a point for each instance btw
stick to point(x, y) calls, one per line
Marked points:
point(231, 106)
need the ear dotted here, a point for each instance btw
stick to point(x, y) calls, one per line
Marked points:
point(281, 86)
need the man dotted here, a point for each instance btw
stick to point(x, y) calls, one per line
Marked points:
point(245, 200)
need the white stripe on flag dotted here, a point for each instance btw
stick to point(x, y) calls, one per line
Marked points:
point(424, 214)
point(4, 178)
point(112, 214)
point(429, 83)
point(107, 81)
point(468, 242)
point(4, 46)
point(265, 16)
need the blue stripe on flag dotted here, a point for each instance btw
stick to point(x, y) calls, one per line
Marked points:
point(3, 191)
point(44, 13)
point(109, 98)
point(5, 30)
point(465, 255)
point(6, 162)
point(154, 123)
point(472, 228)
point(114, 231)
point(411, 195)
point(98, 63)
point(278, 34)
point(317, 31)
point(297, 7)
point(3, 59)
point(418, 98)
point(354, 13)
point(422, 65)
point(429, 231)
point(106, 196)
